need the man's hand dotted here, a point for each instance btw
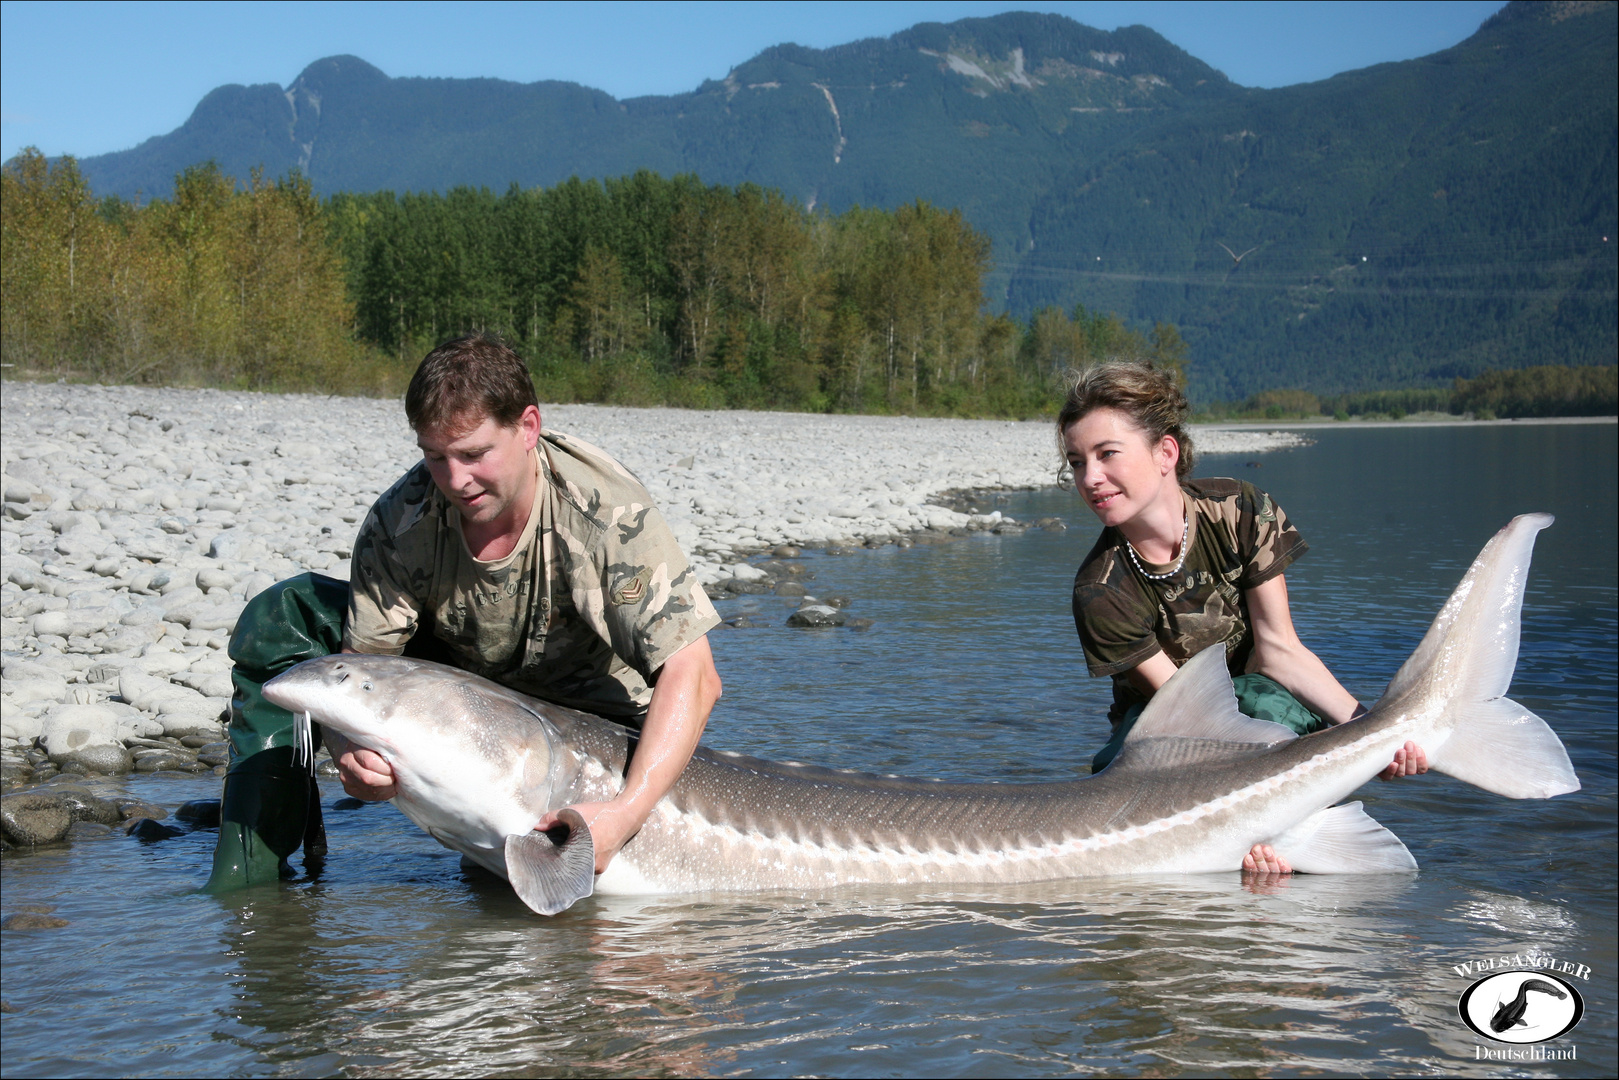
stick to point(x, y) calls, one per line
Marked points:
point(1409, 760)
point(611, 826)
point(365, 773)
point(686, 690)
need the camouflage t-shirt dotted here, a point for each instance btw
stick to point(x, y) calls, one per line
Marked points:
point(1238, 539)
point(587, 607)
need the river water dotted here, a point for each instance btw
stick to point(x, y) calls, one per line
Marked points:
point(390, 960)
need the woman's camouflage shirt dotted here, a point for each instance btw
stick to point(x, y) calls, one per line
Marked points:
point(1238, 539)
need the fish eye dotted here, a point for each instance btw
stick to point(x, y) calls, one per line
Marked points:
point(366, 685)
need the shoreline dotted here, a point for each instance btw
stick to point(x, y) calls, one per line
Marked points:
point(138, 522)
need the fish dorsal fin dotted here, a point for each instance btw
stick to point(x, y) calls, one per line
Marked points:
point(1198, 703)
point(549, 877)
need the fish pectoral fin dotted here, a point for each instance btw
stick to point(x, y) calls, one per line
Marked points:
point(1343, 840)
point(549, 877)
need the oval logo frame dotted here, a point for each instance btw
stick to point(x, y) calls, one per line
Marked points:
point(1508, 1007)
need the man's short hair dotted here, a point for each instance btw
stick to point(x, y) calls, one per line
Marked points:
point(466, 380)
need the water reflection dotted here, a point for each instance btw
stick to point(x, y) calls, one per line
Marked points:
point(1208, 973)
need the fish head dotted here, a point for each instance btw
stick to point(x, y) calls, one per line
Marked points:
point(435, 725)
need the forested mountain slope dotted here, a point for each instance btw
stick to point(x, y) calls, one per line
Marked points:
point(1410, 221)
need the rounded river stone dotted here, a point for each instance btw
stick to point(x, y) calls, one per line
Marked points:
point(31, 818)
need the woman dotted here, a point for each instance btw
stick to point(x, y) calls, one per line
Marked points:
point(1184, 564)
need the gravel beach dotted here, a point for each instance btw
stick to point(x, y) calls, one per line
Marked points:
point(138, 522)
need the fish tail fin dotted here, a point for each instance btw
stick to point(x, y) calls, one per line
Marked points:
point(1466, 660)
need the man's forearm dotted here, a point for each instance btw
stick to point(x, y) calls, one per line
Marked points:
point(675, 720)
point(687, 688)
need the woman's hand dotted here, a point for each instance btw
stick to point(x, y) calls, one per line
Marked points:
point(1409, 760)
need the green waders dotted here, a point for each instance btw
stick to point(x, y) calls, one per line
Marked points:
point(1258, 696)
point(271, 804)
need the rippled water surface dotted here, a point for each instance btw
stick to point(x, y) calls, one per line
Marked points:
point(390, 960)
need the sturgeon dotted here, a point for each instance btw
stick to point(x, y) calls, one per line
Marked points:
point(1194, 787)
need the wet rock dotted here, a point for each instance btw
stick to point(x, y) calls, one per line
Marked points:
point(150, 830)
point(785, 551)
point(85, 805)
point(162, 761)
point(791, 588)
point(744, 622)
point(199, 813)
point(29, 920)
point(31, 818)
point(816, 616)
point(776, 569)
point(349, 804)
point(214, 753)
point(87, 830)
point(14, 771)
point(1051, 524)
point(105, 759)
point(129, 809)
point(858, 624)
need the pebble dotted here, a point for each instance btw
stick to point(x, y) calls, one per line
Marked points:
point(139, 521)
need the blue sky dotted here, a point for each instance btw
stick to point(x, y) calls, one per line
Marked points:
point(88, 78)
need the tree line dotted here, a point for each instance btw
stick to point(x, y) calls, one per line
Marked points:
point(642, 290)
point(224, 284)
point(1548, 390)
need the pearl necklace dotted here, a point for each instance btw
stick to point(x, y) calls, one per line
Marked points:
point(1186, 530)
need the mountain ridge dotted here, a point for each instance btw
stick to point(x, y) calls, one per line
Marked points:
point(1071, 146)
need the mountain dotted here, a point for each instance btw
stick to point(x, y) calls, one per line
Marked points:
point(1409, 222)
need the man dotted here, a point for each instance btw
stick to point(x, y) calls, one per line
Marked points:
point(521, 555)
